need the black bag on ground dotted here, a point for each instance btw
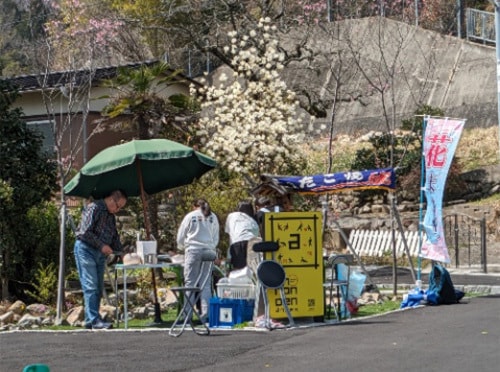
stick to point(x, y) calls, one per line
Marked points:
point(441, 285)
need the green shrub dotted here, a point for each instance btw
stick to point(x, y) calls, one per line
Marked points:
point(403, 151)
point(45, 284)
point(43, 241)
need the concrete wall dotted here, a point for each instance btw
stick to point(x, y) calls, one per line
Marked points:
point(412, 65)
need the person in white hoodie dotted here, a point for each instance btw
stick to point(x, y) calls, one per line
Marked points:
point(241, 226)
point(198, 231)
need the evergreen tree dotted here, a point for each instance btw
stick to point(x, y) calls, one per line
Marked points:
point(27, 177)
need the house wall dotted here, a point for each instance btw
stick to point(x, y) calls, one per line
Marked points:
point(33, 104)
point(35, 109)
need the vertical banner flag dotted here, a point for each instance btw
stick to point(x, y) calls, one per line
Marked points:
point(440, 142)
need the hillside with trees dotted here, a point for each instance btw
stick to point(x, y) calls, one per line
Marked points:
point(269, 49)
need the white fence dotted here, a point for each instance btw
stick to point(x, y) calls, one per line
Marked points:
point(379, 243)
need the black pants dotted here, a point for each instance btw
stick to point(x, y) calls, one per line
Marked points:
point(238, 252)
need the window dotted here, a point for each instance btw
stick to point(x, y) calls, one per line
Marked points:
point(45, 128)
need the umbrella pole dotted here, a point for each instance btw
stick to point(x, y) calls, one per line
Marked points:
point(144, 201)
point(148, 235)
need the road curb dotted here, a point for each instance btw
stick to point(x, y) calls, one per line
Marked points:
point(387, 289)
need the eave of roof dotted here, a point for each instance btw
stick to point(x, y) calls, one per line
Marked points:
point(26, 83)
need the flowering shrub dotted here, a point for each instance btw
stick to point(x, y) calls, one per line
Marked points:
point(79, 28)
point(250, 121)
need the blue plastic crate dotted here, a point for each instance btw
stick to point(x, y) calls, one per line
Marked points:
point(227, 312)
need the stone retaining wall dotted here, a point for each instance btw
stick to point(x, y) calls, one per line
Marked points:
point(373, 212)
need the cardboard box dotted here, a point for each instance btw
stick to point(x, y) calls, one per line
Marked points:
point(227, 312)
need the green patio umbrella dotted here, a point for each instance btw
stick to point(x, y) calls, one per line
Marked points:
point(140, 167)
point(155, 164)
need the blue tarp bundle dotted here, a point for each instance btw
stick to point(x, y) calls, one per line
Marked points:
point(441, 290)
point(418, 297)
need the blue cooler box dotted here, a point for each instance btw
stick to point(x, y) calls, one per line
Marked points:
point(227, 312)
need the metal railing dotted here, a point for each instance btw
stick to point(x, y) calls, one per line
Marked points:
point(194, 62)
point(480, 26)
point(466, 238)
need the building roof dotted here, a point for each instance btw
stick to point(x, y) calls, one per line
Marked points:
point(26, 83)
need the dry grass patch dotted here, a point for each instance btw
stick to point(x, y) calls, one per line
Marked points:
point(477, 148)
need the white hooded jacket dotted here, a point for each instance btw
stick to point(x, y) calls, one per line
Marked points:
point(198, 232)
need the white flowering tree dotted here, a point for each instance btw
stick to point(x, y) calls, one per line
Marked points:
point(250, 121)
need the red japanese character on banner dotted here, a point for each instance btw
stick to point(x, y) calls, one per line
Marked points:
point(436, 156)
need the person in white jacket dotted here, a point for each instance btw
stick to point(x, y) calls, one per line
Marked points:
point(198, 231)
point(241, 226)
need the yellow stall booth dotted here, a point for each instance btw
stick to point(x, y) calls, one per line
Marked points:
point(299, 237)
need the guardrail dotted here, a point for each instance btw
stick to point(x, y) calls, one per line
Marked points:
point(480, 26)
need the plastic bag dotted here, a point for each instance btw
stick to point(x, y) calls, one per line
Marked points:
point(356, 285)
point(242, 276)
point(356, 282)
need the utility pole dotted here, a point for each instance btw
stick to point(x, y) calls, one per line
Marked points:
point(416, 13)
point(496, 4)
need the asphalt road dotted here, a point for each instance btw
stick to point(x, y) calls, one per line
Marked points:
point(459, 277)
point(459, 338)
